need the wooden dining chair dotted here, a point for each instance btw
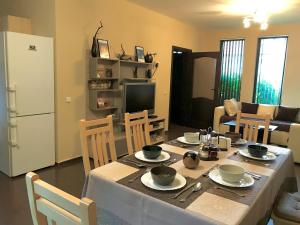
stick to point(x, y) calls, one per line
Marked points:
point(52, 206)
point(97, 135)
point(137, 131)
point(251, 123)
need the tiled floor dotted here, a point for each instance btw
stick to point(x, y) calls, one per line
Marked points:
point(68, 176)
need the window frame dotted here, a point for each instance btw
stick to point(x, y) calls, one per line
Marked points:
point(242, 64)
point(257, 62)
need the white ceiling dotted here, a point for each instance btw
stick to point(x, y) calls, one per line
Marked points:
point(223, 13)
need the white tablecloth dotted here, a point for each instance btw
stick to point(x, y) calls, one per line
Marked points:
point(118, 204)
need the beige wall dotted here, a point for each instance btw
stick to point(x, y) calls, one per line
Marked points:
point(4, 7)
point(290, 93)
point(41, 13)
point(124, 22)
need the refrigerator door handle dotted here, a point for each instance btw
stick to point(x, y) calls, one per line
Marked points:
point(13, 133)
point(12, 98)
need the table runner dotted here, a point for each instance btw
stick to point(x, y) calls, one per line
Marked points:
point(207, 186)
point(137, 208)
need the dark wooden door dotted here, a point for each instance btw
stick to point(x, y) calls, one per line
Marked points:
point(200, 88)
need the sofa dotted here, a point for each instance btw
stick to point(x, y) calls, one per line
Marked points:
point(287, 134)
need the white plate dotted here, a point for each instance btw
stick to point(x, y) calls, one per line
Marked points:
point(178, 183)
point(184, 141)
point(268, 157)
point(246, 181)
point(163, 157)
point(240, 142)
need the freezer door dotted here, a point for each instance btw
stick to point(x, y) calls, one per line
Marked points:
point(32, 143)
point(30, 74)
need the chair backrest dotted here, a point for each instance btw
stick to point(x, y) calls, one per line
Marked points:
point(52, 206)
point(251, 123)
point(137, 131)
point(97, 135)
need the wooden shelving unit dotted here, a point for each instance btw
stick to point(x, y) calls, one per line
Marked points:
point(105, 85)
point(157, 130)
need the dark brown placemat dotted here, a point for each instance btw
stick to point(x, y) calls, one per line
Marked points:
point(176, 143)
point(162, 195)
point(249, 192)
point(267, 164)
point(174, 157)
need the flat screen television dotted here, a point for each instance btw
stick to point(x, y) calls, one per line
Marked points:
point(139, 97)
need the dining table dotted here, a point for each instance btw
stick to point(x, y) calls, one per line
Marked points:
point(121, 198)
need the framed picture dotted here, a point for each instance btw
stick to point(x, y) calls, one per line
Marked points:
point(103, 48)
point(140, 53)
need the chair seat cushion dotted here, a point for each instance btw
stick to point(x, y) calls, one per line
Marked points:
point(288, 207)
point(282, 125)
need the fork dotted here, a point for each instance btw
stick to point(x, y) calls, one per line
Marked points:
point(230, 191)
point(256, 162)
point(169, 162)
point(139, 175)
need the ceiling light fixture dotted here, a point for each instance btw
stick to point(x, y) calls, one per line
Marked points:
point(257, 17)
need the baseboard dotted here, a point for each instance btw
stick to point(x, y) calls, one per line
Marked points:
point(68, 159)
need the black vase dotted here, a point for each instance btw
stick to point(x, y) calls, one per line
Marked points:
point(95, 49)
point(148, 58)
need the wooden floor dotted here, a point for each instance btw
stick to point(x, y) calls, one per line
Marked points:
point(68, 176)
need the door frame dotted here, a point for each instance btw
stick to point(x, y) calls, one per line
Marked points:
point(184, 50)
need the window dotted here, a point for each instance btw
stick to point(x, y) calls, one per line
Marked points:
point(231, 69)
point(270, 70)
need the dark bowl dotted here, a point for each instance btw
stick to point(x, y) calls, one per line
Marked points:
point(233, 136)
point(163, 175)
point(151, 151)
point(257, 151)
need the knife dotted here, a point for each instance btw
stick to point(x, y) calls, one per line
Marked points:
point(185, 189)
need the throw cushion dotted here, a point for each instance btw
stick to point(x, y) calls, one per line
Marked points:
point(287, 114)
point(249, 108)
point(231, 107)
point(266, 109)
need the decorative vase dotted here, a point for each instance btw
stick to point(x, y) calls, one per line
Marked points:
point(95, 49)
point(149, 58)
point(191, 160)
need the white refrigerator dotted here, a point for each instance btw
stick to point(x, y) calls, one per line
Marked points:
point(27, 139)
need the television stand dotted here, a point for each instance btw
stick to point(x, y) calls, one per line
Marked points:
point(153, 116)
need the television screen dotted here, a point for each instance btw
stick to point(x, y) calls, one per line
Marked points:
point(139, 97)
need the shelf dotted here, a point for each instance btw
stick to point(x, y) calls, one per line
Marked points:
point(136, 79)
point(134, 63)
point(105, 90)
point(157, 128)
point(156, 119)
point(105, 108)
point(106, 61)
point(157, 140)
point(104, 78)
